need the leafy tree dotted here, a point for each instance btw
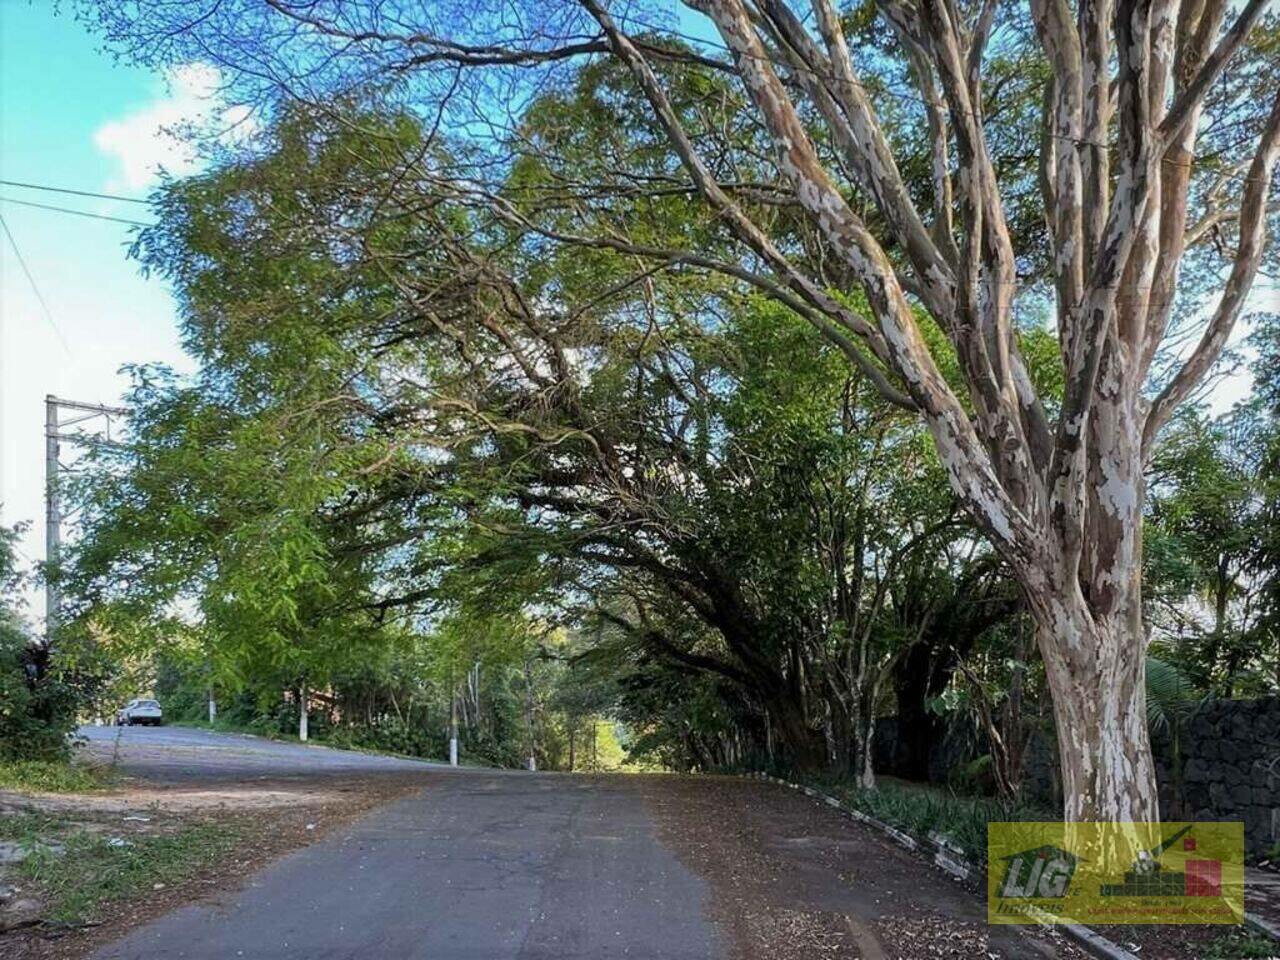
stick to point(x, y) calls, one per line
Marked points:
point(1208, 504)
point(1137, 89)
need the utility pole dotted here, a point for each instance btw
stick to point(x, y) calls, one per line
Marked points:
point(453, 723)
point(53, 426)
point(532, 762)
point(52, 517)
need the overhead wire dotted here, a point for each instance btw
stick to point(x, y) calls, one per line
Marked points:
point(68, 190)
point(78, 213)
point(35, 287)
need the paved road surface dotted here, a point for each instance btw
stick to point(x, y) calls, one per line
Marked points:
point(506, 865)
point(181, 754)
point(480, 865)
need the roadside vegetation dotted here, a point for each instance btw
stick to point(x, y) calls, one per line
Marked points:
point(40, 696)
point(1240, 945)
point(53, 776)
point(79, 867)
point(920, 809)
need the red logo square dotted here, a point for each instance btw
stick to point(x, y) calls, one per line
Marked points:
point(1204, 878)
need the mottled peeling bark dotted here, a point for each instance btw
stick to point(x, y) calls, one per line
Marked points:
point(1062, 502)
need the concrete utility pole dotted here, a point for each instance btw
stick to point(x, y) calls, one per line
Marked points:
point(52, 516)
point(453, 727)
point(53, 425)
point(532, 762)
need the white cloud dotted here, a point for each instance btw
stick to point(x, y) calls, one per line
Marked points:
point(156, 137)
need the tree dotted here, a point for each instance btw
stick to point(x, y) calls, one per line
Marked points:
point(1209, 515)
point(1059, 492)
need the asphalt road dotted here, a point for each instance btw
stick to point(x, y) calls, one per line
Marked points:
point(479, 865)
point(187, 754)
point(490, 865)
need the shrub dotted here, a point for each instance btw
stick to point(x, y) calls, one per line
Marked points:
point(37, 713)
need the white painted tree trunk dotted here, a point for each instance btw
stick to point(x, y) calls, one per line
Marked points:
point(528, 686)
point(213, 707)
point(453, 730)
point(302, 713)
point(866, 768)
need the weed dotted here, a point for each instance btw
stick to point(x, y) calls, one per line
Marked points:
point(1242, 945)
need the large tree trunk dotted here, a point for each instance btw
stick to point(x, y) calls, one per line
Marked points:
point(1095, 667)
point(802, 744)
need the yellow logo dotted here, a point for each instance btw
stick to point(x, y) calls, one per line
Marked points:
point(1057, 872)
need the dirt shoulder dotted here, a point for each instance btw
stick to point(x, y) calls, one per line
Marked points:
point(792, 879)
point(84, 869)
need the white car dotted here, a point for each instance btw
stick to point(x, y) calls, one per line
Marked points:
point(139, 711)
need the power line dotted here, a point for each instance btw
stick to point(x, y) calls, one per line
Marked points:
point(77, 193)
point(78, 213)
point(35, 288)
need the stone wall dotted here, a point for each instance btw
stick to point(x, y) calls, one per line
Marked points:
point(1224, 765)
point(1230, 768)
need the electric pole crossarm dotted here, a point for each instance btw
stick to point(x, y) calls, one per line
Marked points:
point(96, 408)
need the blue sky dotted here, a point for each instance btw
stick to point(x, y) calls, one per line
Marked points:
point(70, 117)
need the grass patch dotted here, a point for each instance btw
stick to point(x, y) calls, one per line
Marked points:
point(51, 776)
point(921, 809)
point(80, 872)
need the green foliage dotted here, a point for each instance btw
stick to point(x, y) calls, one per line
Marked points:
point(1240, 945)
point(1171, 696)
point(919, 810)
point(1211, 546)
point(39, 696)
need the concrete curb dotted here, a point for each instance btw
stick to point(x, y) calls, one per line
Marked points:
point(1265, 927)
point(951, 860)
